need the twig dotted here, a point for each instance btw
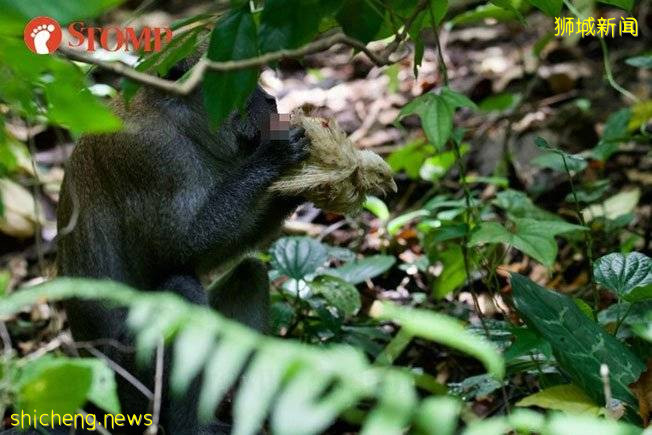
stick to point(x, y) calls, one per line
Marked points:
point(158, 389)
point(609, 75)
point(120, 371)
point(98, 427)
point(203, 65)
point(6, 339)
point(38, 243)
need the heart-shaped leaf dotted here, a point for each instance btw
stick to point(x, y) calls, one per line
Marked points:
point(338, 293)
point(297, 257)
point(358, 271)
point(629, 277)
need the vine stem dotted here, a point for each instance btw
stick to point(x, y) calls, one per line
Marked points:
point(588, 238)
point(467, 194)
point(605, 57)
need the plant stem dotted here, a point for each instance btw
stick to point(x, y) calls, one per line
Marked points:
point(588, 238)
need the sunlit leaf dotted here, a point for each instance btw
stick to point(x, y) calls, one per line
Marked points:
point(567, 398)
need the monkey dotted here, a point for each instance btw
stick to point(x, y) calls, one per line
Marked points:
point(164, 200)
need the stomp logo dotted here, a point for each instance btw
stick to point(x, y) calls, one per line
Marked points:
point(43, 35)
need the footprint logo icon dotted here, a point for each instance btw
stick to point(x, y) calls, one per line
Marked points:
point(42, 35)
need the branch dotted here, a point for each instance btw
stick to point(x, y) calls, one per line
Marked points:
point(197, 73)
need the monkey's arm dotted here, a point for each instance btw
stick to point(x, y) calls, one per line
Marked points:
point(234, 214)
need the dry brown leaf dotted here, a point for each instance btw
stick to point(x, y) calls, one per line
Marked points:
point(643, 391)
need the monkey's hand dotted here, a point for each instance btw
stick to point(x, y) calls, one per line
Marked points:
point(286, 152)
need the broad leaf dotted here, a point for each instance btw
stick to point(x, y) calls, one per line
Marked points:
point(568, 398)
point(410, 157)
point(103, 391)
point(16, 13)
point(358, 271)
point(445, 330)
point(360, 19)
point(456, 99)
point(297, 257)
point(288, 24)
point(558, 162)
point(579, 344)
point(436, 113)
point(551, 8)
point(337, 292)
point(438, 121)
point(438, 412)
point(533, 237)
point(454, 273)
point(394, 412)
point(613, 207)
point(233, 38)
point(643, 61)
point(53, 385)
point(628, 276)
point(623, 4)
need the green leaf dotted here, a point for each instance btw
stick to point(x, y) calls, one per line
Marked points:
point(357, 271)
point(436, 113)
point(222, 370)
point(613, 207)
point(551, 8)
point(475, 387)
point(629, 277)
point(16, 13)
point(519, 205)
point(191, 349)
point(555, 161)
point(395, 225)
point(456, 99)
point(5, 278)
point(499, 102)
point(533, 237)
point(445, 330)
point(644, 61)
point(233, 38)
point(65, 100)
point(579, 344)
point(338, 293)
point(615, 132)
point(308, 395)
point(440, 413)
point(297, 257)
point(586, 425)
point(162, 61)
point(397, 400)
point(377, 206)
point(288, 24)
point(454, 273)
point(482, 12)
point(258, 388)
point(437, 121)
point(568, 398)
point(360, 19)
point(53, 385)
point(104, 389)
point(622, 4)
point(410, 157)
point(510, 6)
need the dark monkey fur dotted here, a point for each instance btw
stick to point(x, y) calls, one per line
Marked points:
point(163, 199)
